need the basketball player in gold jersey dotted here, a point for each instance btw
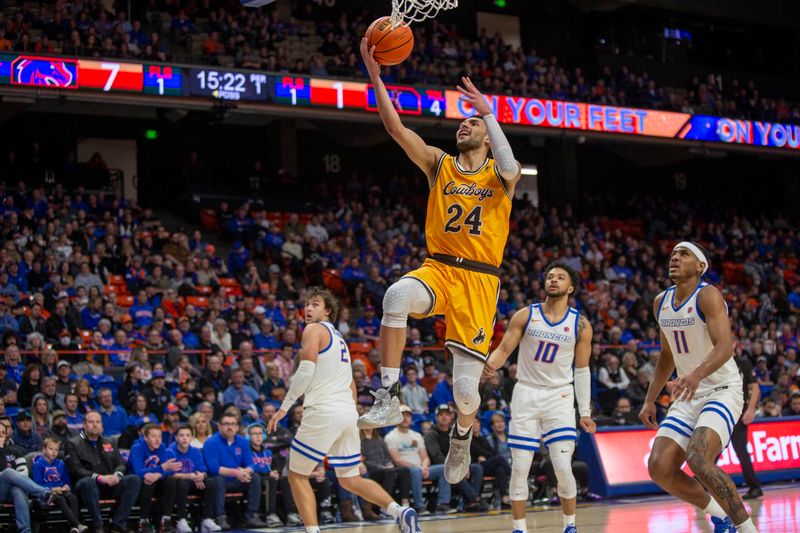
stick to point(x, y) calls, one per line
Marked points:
point(466, 229)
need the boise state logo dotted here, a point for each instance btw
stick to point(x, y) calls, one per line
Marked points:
point(51, 475)
point(44, 72)
point(187, 466)
point(152, 461)
point(262, 460)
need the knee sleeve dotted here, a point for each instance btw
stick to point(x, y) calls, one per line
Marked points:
point(466, 380)
point(561, 458)
point(521, 461)
point(408, 295)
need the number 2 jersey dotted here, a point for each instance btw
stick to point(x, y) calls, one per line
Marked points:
point(468, 212)
point(547, 349)
point(687, 335)
point(330, 386)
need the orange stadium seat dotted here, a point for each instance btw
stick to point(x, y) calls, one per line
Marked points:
point(125, 300)
point(229, 282)
point(197, 301)
point(205, 290)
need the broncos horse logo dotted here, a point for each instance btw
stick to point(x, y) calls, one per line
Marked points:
point(480, 337)
point(50, 474)
point(44, 72)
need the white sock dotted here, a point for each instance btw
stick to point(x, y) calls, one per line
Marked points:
point(389, 376)
point(312, 529)
point(568, 519)
point(463, 430)
point(714, 509)
point(393, 509)
point(520, 525)
point(746, 527)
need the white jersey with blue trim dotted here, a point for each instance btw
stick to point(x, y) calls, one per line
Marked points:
point(687, 335)
point(333, 374)
point(547, 350)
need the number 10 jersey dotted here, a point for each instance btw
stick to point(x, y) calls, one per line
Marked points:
point(547, 349)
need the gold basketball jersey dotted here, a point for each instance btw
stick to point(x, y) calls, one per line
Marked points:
point(468, 212)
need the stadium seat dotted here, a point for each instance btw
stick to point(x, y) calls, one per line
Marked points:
point(197, 301)
point(125, 300)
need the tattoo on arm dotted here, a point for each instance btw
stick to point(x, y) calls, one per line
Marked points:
point(582, 323)
point(702, 460)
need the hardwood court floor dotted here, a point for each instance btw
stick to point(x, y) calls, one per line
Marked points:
point(777, 512)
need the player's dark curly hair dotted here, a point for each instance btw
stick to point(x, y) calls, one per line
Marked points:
point(573, 275)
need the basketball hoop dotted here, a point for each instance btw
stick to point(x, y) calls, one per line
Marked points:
point(407, 11)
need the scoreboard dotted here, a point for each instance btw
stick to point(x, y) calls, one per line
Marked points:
point(160, 80)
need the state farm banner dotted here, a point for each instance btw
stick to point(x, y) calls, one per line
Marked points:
point(619, 455)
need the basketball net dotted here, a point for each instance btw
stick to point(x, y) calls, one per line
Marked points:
point(407, 11)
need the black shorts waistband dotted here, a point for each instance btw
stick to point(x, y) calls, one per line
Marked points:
point(467, 264)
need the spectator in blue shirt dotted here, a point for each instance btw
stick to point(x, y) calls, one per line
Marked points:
point(190, 340)
point(14, 367)
point(237, 259)
point(51, 472)
point(265, 338)
point(24, 436)
point(353, 272)
point(230, 463)
point(149, 461)
point(16, 277)
point(7, 322)
point(92, 314)
point(115, 419)
point(141, 311)
point(120, 349)
point(191, 478)
point(241, 395)
point(271, 311)
point(442, 393)
point(369, 325)
point(262, 464)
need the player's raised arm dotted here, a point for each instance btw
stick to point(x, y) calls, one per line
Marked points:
point(510, 340)
point(583, 377)
point(424, 156)
point(712, 304)
point(315, 338)
point(507, 167)
point(664, 369)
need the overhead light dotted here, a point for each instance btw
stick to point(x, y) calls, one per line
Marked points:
point(529, 171)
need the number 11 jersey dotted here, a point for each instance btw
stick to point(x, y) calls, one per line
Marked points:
point(687, 335)
point(547, 349)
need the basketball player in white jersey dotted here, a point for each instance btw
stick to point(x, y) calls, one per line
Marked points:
point(552, 336)
point(696, 341)
point(325, 379)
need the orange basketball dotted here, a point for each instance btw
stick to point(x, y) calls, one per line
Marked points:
point(392, 45)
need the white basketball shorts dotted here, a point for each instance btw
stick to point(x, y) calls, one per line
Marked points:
point(331, 434)
point(541, 416)
point(719, 410)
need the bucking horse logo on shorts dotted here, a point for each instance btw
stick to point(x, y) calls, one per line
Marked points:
point(479, 338)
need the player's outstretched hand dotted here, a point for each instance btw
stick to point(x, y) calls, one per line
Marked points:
point(588, 425)
point(471, 95)
point(648, 415)
point(273, 422)
point(367, 52)
point(684, 387)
